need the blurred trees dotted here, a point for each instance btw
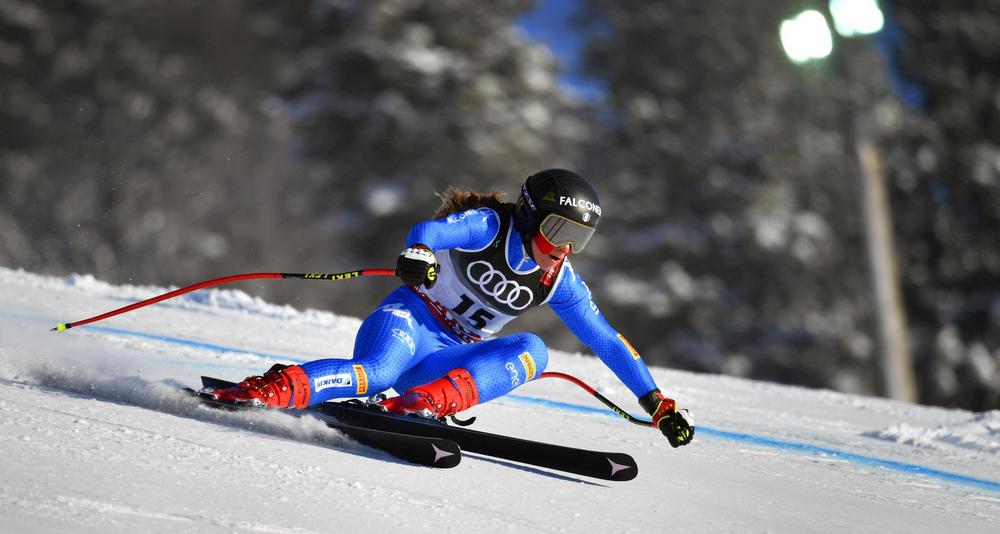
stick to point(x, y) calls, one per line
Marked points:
point(396, 100)
point(943, 164)
point(140, 140)
point(732, 179)
point(165, 143)
point(160, 143)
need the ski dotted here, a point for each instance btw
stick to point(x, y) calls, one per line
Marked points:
point(422, 450)
point(602, 465)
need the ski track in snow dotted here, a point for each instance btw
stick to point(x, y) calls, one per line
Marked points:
point(97, 438)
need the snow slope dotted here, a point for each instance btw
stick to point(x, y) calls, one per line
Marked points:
point(95, 438)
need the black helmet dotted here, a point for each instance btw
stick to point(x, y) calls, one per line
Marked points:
point(560, 205)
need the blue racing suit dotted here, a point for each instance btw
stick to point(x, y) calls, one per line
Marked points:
point(487, 278)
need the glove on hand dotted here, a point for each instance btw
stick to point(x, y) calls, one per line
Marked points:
point(417, 266)
point(676, 425)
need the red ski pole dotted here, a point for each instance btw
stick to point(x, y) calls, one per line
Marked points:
point(62, 327)
point(614, 407)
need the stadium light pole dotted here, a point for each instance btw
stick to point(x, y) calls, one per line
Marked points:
point(807, 37)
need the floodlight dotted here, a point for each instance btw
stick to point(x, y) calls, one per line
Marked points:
point(856, 17)
point(806, 37)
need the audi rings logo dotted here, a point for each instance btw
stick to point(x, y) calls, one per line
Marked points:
point(493, 283)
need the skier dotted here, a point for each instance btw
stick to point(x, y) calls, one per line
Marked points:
point(477, 265)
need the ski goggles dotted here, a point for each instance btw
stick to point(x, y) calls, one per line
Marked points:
point(558, 231)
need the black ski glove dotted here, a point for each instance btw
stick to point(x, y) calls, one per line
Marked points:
point(417, 266)
point(676, 425)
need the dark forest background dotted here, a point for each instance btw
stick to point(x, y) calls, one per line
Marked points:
point(168, 142)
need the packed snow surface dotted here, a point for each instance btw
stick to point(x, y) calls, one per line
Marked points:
point(96, 438)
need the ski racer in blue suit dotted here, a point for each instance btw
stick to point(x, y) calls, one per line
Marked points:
point(477, 265)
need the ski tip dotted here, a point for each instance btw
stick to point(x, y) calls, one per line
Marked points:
point(623, 467)
point(447, 454)
point(61, 327)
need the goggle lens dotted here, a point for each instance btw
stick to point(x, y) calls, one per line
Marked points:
point(559, 231)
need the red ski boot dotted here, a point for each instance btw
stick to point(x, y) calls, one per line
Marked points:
point(445, 396)
point(280, 387)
